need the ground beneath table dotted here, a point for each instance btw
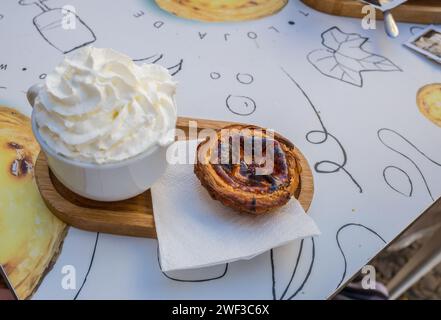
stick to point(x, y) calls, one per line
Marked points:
point(389, 263)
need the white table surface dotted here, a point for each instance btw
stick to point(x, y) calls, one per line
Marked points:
point(358, 211)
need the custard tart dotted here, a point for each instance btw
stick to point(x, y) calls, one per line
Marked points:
point(222, 10)
point(429, 102)
point(30, 235)
point(248, 168)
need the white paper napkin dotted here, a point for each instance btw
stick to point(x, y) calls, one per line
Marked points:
point(196, 231)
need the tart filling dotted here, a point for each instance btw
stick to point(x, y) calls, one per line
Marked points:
point(248, 169)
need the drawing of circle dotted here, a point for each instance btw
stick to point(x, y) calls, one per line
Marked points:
point(244, 78)
point(429, 102)
point(398, 180)
point(252, 35)
point(42, 76)
point(215, 75)
point(222, 10)
point(241, 105)
point(317, 136)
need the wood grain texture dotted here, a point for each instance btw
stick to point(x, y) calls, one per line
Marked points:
point(415, 11)
point(132, 217)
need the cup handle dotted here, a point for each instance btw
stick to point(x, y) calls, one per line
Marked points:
point(32, 93)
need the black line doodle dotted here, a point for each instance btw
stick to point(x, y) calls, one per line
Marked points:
point(240, 105)
point(304, 13)
point(345, 59)
point(294, 270)
point(194, 280)
point(1, 87)
point(273, 274)
point(138, 14)
point(175, 69)
point(307, 273)
point(320, 166)
point(89, 268)
point(245, 78)
point(158, 24)
point(413, 28)
point(386, 179)
point(215, 75)
point(274, 28)
point(151, 59)
point(252, 35)
point(380, 134)
point(198, 280)
point(290, 22)
point(54, 23)
point(42, 76)
point(341, 250)
point(297, 262)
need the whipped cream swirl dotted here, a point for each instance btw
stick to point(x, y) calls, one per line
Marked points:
point(98, 106)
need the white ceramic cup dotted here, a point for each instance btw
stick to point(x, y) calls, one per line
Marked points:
point(103, 182)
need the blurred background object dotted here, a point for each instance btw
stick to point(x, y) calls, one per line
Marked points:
point(414, 11)
point(410, 268)
point(5, 292)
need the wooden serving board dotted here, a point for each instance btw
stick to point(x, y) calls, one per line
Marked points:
point(415, 11)
point(132, 217)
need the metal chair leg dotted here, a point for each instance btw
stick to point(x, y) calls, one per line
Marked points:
point(422, 262)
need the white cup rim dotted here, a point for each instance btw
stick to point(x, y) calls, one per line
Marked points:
point(83, 164)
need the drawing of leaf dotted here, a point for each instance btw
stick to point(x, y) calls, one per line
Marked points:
point(352, 48)
point(326, 62)
point(345, 59)
point(376, 62)
point(333, 38)
point(367, 60)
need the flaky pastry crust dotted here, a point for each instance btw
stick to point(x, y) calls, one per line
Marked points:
point(235, 183)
